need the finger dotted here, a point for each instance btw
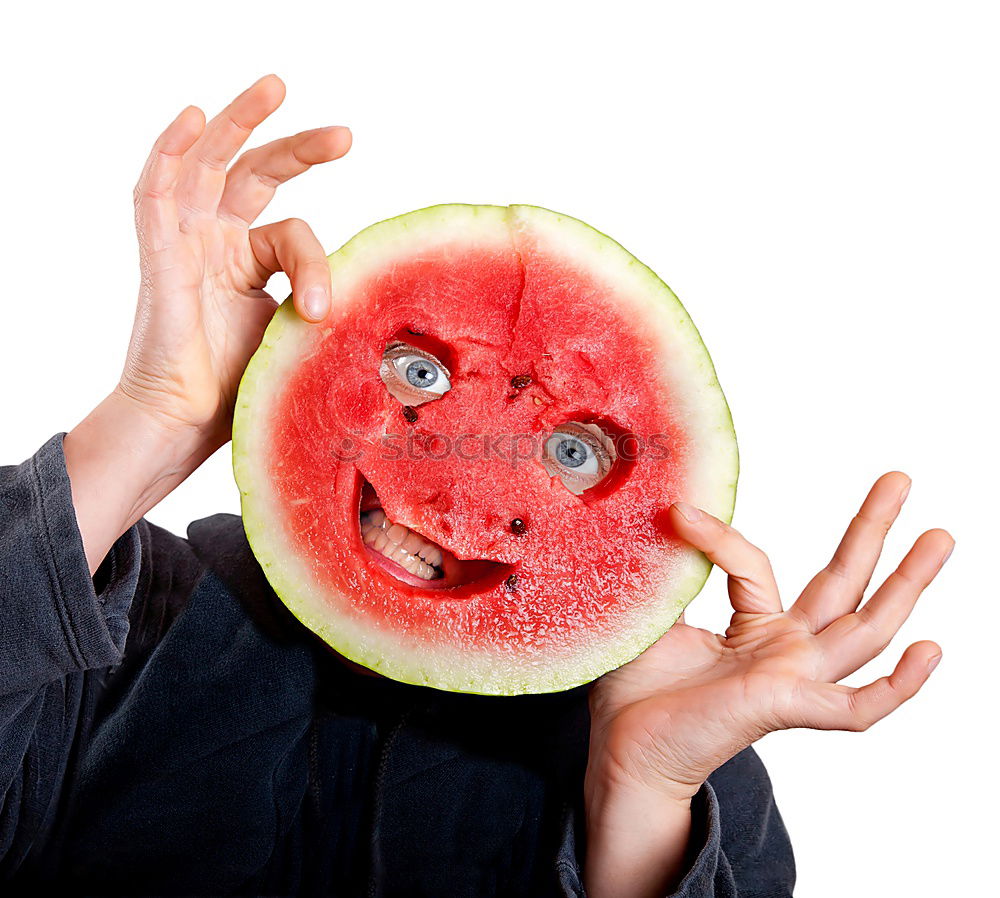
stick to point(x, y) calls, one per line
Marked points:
point(155, 211)
point(752, 588)
point(292, 247)
point(838, 588)
point(827, 706)
point(203, 173)
point(854, 639)
point(255, 176)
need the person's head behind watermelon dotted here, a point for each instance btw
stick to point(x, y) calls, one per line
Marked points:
point(460, 479)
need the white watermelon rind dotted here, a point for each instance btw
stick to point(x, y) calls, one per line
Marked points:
point(708, 422)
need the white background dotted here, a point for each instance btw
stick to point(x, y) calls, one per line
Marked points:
point(818, 183)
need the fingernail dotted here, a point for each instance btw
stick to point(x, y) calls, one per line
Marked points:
point(905, 493)
point(314, 303)
point(691, 513)
point(933, 662)
point(946, 557)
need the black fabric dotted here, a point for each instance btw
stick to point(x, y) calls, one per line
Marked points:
point(168, 727)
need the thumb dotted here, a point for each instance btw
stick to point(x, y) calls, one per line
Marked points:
point(292, 247)
point(752, 588)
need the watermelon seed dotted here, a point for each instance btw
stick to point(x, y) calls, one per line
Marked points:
point(518, 527)
point(410, 413)
point(511, 582)
point(521, 381)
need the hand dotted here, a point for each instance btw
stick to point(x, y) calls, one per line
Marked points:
point(202, 307)
point(664, 721)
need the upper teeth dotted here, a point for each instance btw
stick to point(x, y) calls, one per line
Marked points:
point(400, 544)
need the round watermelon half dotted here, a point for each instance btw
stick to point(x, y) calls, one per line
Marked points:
point(409, 468)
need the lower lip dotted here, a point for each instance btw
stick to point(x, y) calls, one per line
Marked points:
point(399, 572)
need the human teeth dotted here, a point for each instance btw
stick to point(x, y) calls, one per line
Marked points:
point(400, 544)
point(431, 554)
point(397, 533)
point(413, 542)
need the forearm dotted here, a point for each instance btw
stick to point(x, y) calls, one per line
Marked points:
point(121, 461)
point(636, 843)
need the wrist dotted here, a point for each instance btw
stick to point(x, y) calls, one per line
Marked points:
point(637, 841)
point(165, 451)
point(121, 460)
point(163, 428)
point(617, 765)
point(606, 790)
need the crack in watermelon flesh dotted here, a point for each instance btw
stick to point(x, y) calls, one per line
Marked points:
point(518, 292)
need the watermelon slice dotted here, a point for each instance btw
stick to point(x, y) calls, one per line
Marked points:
point(461, 478)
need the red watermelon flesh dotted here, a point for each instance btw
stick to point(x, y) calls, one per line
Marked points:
point(538, 321)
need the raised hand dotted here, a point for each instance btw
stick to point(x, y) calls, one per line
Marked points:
point(202, 307)
point(663, 722)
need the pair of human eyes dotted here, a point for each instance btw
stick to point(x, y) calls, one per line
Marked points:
point(580, 454)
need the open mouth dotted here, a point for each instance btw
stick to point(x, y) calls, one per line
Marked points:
point(412, 558)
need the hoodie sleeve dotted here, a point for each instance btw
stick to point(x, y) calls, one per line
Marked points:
point(58, 626)
point(739, 845)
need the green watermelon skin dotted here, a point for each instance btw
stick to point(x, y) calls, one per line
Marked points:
point(511, 290)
